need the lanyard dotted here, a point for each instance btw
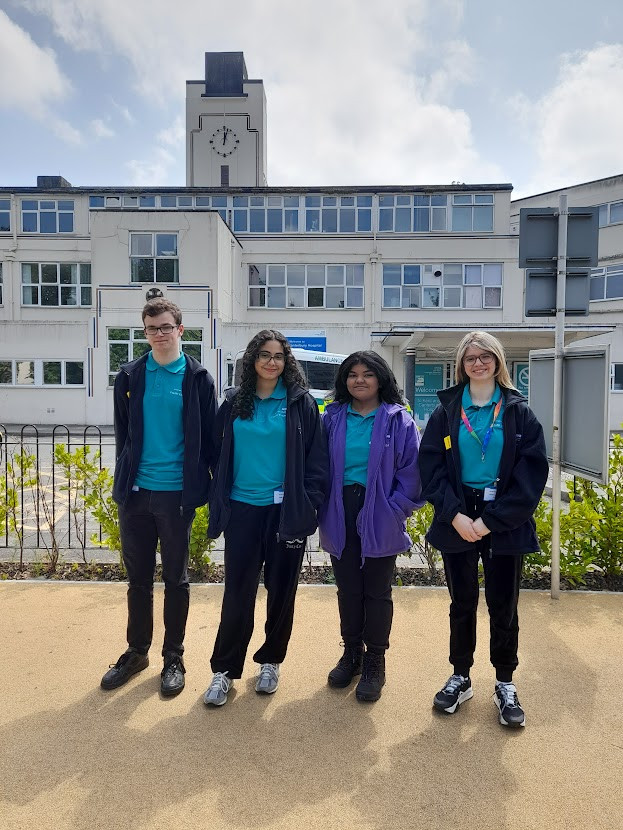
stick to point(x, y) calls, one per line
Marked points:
point(485, 441)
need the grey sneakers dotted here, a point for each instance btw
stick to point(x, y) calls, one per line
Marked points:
point(216, 693)
point(267, 679)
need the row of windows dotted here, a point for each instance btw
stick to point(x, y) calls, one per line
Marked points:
point(41, 373)
point(306, 286)
point(447, 285)
point(125, 344)
point(399, 213)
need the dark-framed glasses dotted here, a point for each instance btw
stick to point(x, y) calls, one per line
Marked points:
point(166, 329)
point(485, 358)
point(266, 357)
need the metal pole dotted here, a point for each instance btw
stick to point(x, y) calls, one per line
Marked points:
point(559, 351)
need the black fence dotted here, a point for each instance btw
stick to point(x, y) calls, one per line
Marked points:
point(40, 505)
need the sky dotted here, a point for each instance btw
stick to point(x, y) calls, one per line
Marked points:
point(360, 92)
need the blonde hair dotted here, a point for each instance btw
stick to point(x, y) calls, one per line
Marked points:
point(487, 342)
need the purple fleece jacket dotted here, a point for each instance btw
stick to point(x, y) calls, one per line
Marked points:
point(393, 490)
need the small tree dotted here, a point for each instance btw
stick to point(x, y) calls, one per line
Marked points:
point(417, 527)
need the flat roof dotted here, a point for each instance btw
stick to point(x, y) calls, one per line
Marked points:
point(134, 190)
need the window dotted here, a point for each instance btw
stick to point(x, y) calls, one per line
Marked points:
point(5, 215)
point(338, 214)
point(449, 285)
point(1, 286)
point(265, 214)
point(607, 282)
point(218, 203)
point(128, 344)
point(472, 212)
point(47, 216)
point(407, 213)
point(56, 283)
point(616, 377)
point(39, 373)
point(610, 213)
point(306, 286)
point(153, 257)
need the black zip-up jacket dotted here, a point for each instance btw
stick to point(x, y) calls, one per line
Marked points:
point(523, 474)
point(307, 466)
point(198, 416)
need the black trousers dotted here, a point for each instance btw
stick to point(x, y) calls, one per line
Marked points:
point(364, 594)
point(251, 539)
point(149, 516)
point(502, 576)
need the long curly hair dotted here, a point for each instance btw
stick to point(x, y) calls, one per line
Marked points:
point(388, 386)
point(292, 373)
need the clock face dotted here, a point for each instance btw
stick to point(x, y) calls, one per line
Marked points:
point(224, 141)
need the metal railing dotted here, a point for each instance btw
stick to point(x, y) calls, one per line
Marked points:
point(40, 508)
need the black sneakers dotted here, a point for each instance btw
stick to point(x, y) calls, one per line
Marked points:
point(372, 677)
point(130, 662)
point(505, 698)
point(457, 690)
point(172, 676)
point(348, 666)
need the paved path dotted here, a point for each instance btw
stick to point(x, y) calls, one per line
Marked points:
point(73, 757)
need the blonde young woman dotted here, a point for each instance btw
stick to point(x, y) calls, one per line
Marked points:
point(483, 468)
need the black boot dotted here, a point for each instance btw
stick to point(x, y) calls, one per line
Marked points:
point(348, 666)
point(372, 677)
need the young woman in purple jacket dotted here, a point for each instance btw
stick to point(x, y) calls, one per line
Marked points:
point(374, 487)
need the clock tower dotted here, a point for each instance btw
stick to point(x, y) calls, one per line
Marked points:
point(225, 125)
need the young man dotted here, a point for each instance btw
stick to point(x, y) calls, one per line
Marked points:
point(165, 407)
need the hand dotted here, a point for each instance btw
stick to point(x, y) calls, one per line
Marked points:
point(481, 528)
point(464, 526)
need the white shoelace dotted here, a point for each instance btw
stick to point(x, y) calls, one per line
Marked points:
point(268, 672)
point(509, 694)
point(453, 683)
point(220, 683)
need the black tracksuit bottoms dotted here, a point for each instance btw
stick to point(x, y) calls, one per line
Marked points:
point(502, 576)
point(251, 540)
point(364, 594)
point(149, 517)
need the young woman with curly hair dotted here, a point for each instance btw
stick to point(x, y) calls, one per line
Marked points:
point(374, 488)
point(268, 482)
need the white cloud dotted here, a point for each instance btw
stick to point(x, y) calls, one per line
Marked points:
point(152, 170)
point(576, 126)
point(100, 129)
point(35, 79)
point(357, 91)
point(175, 135)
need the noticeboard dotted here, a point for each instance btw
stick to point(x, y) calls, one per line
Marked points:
point(585, 407)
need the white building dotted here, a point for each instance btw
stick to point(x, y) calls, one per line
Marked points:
point(403, 270)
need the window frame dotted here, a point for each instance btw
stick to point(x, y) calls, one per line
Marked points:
point(47, 210)
point(154, 257)
point(38, 373)
point(432, 283)
point(82, 268)
point(353, 279)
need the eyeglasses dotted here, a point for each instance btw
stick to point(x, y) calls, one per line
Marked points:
point(167, 329)
point(266, 357)
point(485, 358)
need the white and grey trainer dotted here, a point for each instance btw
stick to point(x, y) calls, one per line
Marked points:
point(507, 702)
point(267, 679)
point(216, 693)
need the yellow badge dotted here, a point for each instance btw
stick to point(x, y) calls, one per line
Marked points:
point(447, 442)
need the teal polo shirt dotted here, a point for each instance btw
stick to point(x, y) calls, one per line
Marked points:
point(162, 460)
point(260, 450)
point(474, 471)
point(357, 452)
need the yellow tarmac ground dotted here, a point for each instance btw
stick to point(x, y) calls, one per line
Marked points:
point(74, 756)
